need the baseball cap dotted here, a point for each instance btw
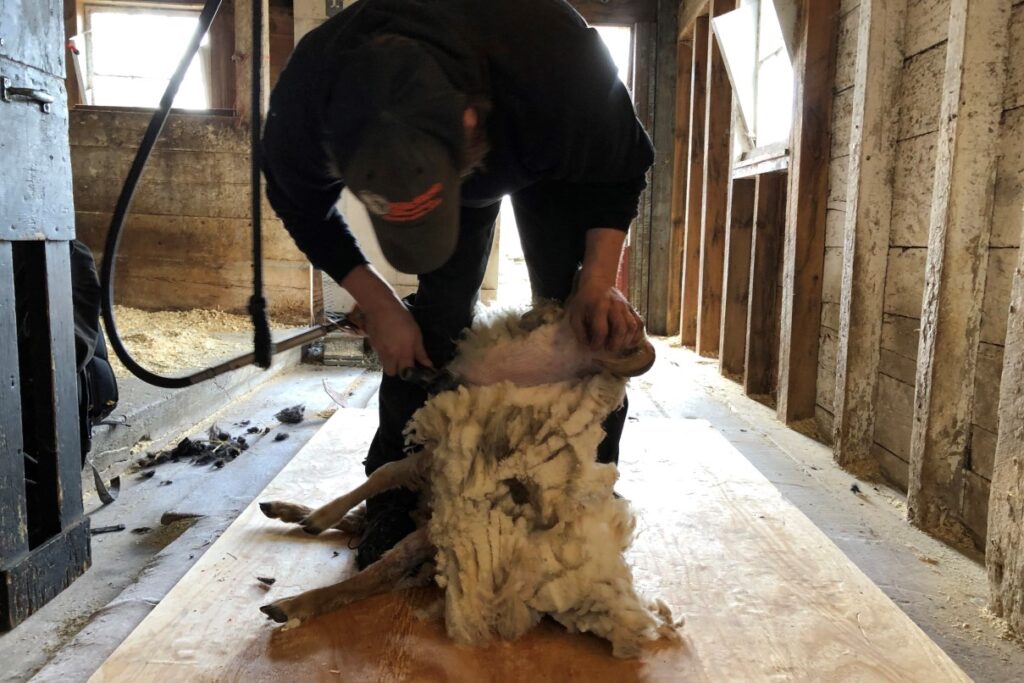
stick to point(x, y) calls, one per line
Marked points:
point(402, 162)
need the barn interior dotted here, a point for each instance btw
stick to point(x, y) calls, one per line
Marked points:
point(826, 460)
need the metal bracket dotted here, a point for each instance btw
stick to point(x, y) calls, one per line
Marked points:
point(9, 93)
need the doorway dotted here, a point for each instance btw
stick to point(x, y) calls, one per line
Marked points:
point(513, 280)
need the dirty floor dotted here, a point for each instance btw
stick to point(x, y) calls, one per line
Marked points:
point(942, 590)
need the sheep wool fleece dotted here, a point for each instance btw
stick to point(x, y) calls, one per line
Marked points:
point(524, 519)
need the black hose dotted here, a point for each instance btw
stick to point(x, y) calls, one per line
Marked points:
point(257, 304)
point(264, 347)
point(156, 125)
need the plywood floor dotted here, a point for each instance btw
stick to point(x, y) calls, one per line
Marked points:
point(766, 596)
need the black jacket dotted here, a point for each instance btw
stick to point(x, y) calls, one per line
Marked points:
point(559, 112)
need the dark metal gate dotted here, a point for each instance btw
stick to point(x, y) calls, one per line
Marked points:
point(44, 536)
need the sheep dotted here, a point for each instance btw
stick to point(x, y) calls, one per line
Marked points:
point(519, 520)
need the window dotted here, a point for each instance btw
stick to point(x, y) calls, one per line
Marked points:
point(619, 41)
point(131, 51)
point(760, 68)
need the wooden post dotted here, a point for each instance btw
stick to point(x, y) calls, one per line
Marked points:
point(715, 199)
point(13, 538)
point(661, 256)
point(866, 232)
point(804, 247)
point(243, 52)
point(736, 286)
point(1005, 552)
point(762, 347)
point(644, 49)
point(694, 184)
point(961, 221)
point(681, 138)
point(690, 13)
point(44, 537)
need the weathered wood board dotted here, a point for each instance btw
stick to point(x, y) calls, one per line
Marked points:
point(920, 95)
point(927, 25)
point(765, 594)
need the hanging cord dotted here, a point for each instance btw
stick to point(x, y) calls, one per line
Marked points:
point(257, 304)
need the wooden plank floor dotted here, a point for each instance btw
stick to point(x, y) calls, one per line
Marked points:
point(766, 596)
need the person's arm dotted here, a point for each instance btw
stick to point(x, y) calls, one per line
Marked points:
point(392, 330)
point(303, 195)
point(599, 313)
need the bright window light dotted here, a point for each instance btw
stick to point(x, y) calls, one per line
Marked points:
point(760, 71)
point(774, 80)
point(133, 51)
point(619, 41)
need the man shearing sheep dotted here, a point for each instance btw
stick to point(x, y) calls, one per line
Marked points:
point(430, 111)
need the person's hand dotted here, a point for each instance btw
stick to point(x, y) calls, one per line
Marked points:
point(390, 327)
point(396, 337)
point(602, 318)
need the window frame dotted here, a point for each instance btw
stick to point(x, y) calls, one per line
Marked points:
point(166, 8)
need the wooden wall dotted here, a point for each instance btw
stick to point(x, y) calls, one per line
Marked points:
point(902, 444)
point(187, 240)
point(917, 107)
point(918, 245)
point(1004, 245)
point(835, 217)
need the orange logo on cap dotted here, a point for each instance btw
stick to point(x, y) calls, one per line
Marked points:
point(417, 207)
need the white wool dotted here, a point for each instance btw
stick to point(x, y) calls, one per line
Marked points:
point(523, 517)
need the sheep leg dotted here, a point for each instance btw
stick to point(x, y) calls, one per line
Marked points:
point(408, 472)
point(351, 524)
point(386, 574)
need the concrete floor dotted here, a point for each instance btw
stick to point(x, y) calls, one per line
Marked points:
point(942, 590)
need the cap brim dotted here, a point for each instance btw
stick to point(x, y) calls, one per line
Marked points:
point(425, 245)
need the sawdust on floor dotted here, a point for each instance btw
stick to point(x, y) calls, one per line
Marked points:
point(175, 341)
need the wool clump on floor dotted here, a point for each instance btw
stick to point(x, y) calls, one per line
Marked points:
point(524, 519)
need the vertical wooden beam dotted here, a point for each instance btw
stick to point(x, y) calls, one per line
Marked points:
point(690, 12)
point(804, 247)
point(873, 132)
point(736, 285)
point(71, 79)
point(694, 184)
point(243, 54)
point(958, 237)
point(762, 347)
point(66, 438)
point(661, 173)
point(715, 199)
point(1005, 549)
point(13, 534)
point(644, 48)
point(681, 136)
point(222, 51)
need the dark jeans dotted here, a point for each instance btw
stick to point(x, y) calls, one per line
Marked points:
point(443, 306)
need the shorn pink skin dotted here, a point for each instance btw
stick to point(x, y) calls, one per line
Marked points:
point(550, 353)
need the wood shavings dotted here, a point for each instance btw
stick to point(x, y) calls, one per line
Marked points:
point(175, 341)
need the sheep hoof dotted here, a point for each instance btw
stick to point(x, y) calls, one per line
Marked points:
point(290, 513)
point(310, 528)
point(632, 364)
point(275, 613)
